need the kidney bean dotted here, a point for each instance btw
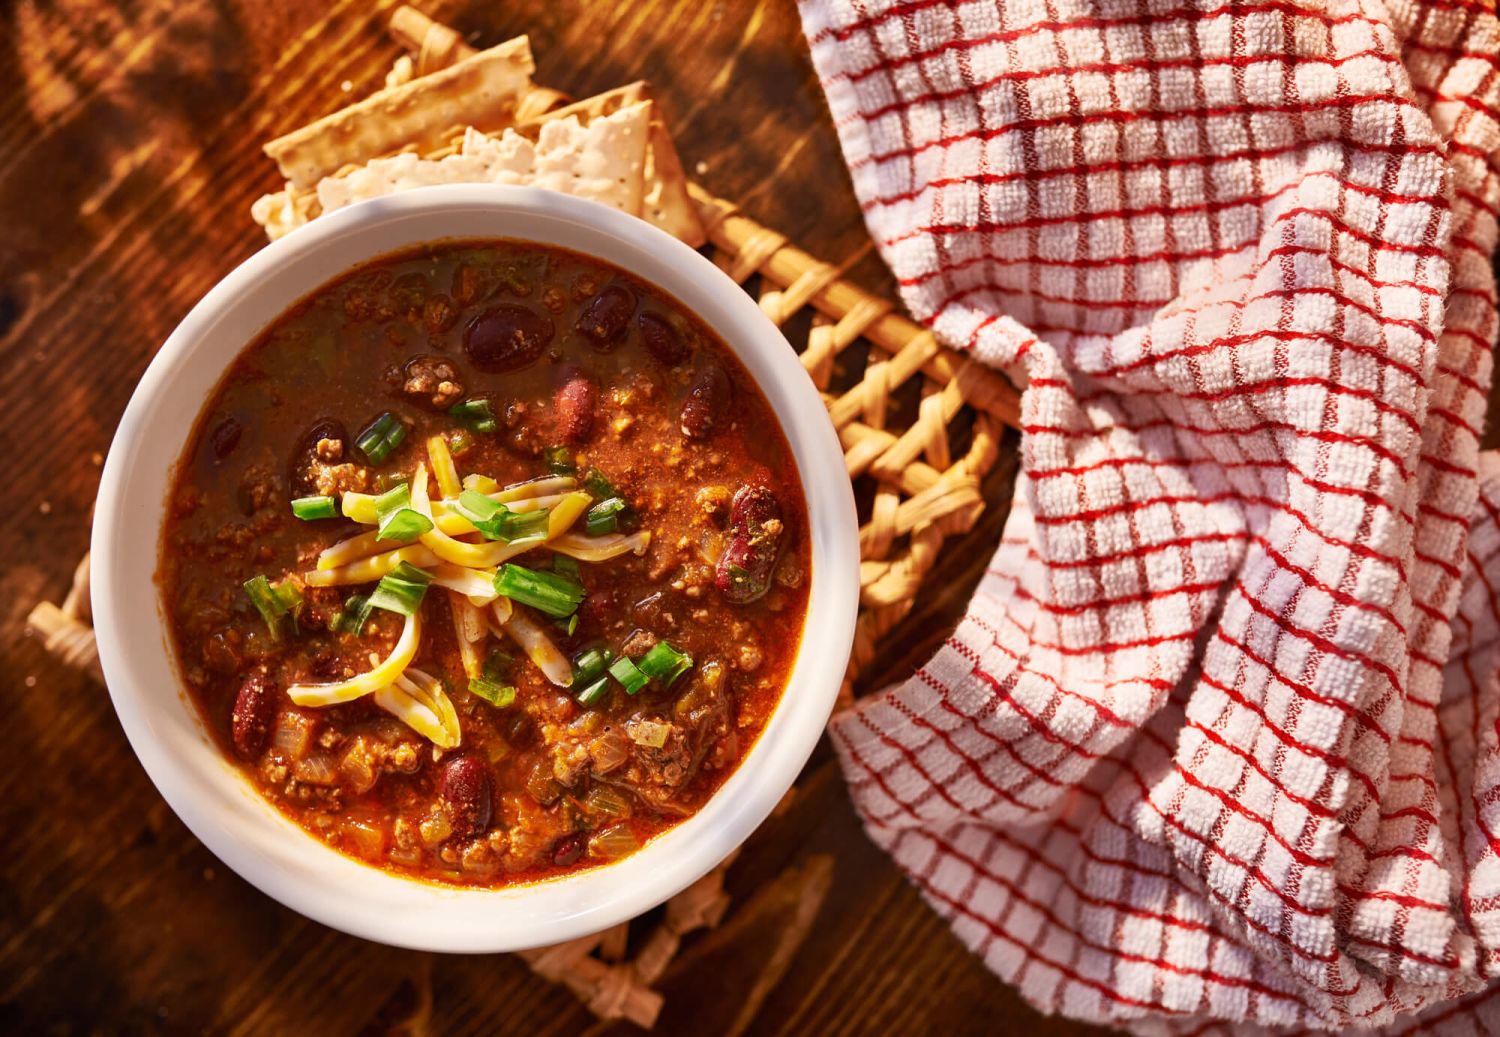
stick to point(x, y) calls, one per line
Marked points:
point(603, 319)
point(707, 398)
point(307, 451)
point(465, 784)
point(573, 406)
point(507, 337)
point(755, 533)
point(568, 849)
point(225, 437)
point(254, 713)
point(661, 339)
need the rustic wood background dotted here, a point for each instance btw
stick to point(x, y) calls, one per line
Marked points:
point(129, 156)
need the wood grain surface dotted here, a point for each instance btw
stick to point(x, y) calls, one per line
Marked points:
point(129, 156)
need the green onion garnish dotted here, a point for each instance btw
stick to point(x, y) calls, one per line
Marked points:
point(274, 600)
point(627, 673)
point(560, 460)
point(380, 437)
point(597, 484)
point(309, 509)
point(499, 665)
point(555, 595)
point(590, 665)
point(396, 517)
point(476, 413)
point(497, 522)
point(460, 443)
point(566, 565)
point(594, 692)
point(665, 663)
point(401, 591)
point(355, 613)
point(604, 517)
point(567, 626)
point(493, 692)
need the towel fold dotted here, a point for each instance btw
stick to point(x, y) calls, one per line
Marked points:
point(1217, 743)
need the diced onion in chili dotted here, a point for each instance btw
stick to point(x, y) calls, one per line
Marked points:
point(651, 733)
point(628, 674)
point(310, 509)
point(443, 469)
point(368, 570)
point(533, 640)
point(665, 663)
point(382, 673)
point(551, 593)
point(380, 437)
point(606, 799)
point(618, 840)
point(601, 549)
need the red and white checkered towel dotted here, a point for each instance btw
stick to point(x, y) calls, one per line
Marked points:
point(1217, 740)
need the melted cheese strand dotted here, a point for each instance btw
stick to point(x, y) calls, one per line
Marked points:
point(384, 672)
point(490, 554)
point(472, 583)
point(367, 570)
point(449, 521)
point(426, 710)
point(441, 459)
point(600, 548)
point(539, 648)
point(469, 627)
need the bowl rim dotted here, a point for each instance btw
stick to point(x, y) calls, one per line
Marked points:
point(239, 826)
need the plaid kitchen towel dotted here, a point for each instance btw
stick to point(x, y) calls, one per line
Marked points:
point(1216, 743)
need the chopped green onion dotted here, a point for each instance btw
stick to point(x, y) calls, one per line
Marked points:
point(355, 613)
point(396, 517)
point(309, 509)
point(626, 672)
point(498, 666)
point(595, 692)
point(476, 413)
point(380, 437)
point(274, 600)
point(479, 505)
point(665, 663)
point(497, 522)
point(568, 626)
point(566, 565)
point(597, 484)
point(604, 517)
point(402, 590)
point(493, 692)
point(590, 665)
point(390, 480)
point(524, 526)
point(555, 595)
point(460, 443)
point(560, 460)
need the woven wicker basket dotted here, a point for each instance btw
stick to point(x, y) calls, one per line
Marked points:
point(920, 427)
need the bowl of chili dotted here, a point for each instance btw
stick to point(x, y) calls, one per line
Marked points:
point(474, 568)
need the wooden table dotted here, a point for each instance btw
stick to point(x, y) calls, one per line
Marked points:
point(129, 156)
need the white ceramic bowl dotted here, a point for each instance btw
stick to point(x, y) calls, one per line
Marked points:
point(214, 799)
